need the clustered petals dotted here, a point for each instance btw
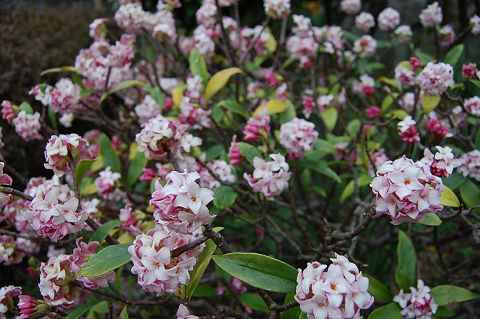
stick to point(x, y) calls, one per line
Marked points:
point(417, 304)
point(269, 178)
point(298, 137)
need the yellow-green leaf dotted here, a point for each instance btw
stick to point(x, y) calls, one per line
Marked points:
point(431, 220)
point(177, 94)
point(449, 198)
point(198, 66)
point(430, 102)
point(90, 189)
point(121, 86)
point(273, 106)
point(61, 69)
point(390, 82)
point(218, 81)
point(363, 180)
point(400, 114)
point(330, 116)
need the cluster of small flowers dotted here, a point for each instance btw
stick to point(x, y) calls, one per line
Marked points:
point(180, 205)
point(302, 45)
point(407, 130)
point(470, 165)
point(105, 182)
point(60, 148)
point(447, 35)
point(351, 6)
point(235, 156)
point(298, 137)
point(365, 86)
point(443, 163)
point(378, 158)
point(404, 34)
point(407, 101)
point(65, 96)
point(269, 178)
point(27, 125)
point(431, 16)
point(277, 9)
point(160, 135)
point(475, 24)
point(406, 190)
point(221, 169)
point(194, 115)
point(331, 37)
point(473, 105)
point(404, 76)
point(132, 220)
point(364, 21)
point(147, 109)
point(365, 47)
point(419, 303)
point(13, 250)
point(257, 127)
point(151, 256)
point(6, 295)
point(388, 19)
point(339, 292)
point(436, 78)
point(434, 127)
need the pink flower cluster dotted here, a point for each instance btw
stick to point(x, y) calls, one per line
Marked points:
point(5, 180)
point(65, 96)
point(404, 76)
point(434, 127)
point(298, 137)
point(417, 304)
point(339, 292)
point(365, 47)
point(431, 16)
point(160, 135)
point(473, 105)
point(436, 78)
point(269, 178)
point(151, 256)
point(28, 126)
point(447, 34)
point(277, 9)
point(235, 156)
point(147, 109)
point(106, 182)
point(443, 163)
point(13, 250)
point(6, 295)
point(302, 45)
point(351, 6)
point(470, 165)
point(30, 307)
point(406, 190)
point(388, 19)
point(180, 205)
point(55, 279)
point(54, 212)
point(366, 85)
point(257, 127)
point(475, 24)
point(364, 21)
point(407, 130)
point(221, 169)
point(58, 149)
point(404, 34)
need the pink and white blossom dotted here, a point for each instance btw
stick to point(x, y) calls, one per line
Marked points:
point(28, 126)
point(417, 304)
point(447, 35)
point(59, 149)
point(388, 19)
point(470, 165)
point(269, 178)
point(55, 281)
point(432, 15)
point(443, 163)
point(475, 24)
point(277, 9)
point(364, 21)
point(298, 137)
point(351, 6)
point(404, 76)
point(65, 96)
point(235, 156)
point(404, 34)
point(366, 46)
point(436, 78)
point(257, 127)
point(473, 105)
point(6, 295)
point(106, 182)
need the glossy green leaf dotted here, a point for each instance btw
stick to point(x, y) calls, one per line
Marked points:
point(199, 268)
point(390, 311)
point(81, 169)
point(158, 96)
point(292, 313)
point(218, 81)
point(454, 54)
point(62, 69)
point(136, 167)
point(449, 198)
point(109, 156)
point(204, 291)
point(289, 113)
point(320, 167)
point(390, 82)
point(323, 145)
point(254, 301)
point(102, 232)
point(198, 66)
point(407, 261)
point(443, 312)
point(330, 116)
point(123, 85)
point(248, 151)
point(89, 189)
point(378, 290)
point(233, 106)
point(53, 118)
point(108, 259)
point(353, 127)
point(259, 271)
point(431, 219)
point(25, 106)
point(476, 82)
point(470, 194)
point(224, 196)
point(77, 79)
point(430, 102)
point(446, 294)
point(78, 312)
point(454, 181)
point(352, 37)
point(424, 57)
point(124, 313)
point(363, 180)
point(403, 279)
point(400, 114)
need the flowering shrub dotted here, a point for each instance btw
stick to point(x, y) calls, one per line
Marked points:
point(263, 148)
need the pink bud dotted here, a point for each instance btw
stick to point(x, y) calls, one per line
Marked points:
point(415, 62)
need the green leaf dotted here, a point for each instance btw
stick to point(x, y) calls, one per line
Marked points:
point(289, 113)
point(400, 114)
point(158, 96)
point(248, 151)
point(25, 106)
point(124, 313)
point(476, 82)
point(108, 259)
point(78, 312)
point(454, 54)
point(233, 106)
point(390, 82)
point(378, 290)
point(218, 81)
point(102, 232)
point(430, 102)
point(77, 79)
point(89, 189)
point(109, 156)
point(136, 168)
point(62, 69)
point(363, 180)
point(454, 181)
point(273, 106)
point(198, 66)
point(352, 37)
point(260, 271)
point(403, 279)
point(84, 93)
point(446, 294)
point(254, 301)
point(424, 57)
point(204, 291)
point(353, 127)
point(407, 260)
point(390, 311)
point(431, 219)
point(199, 268)
point(470, 194)
point(53, 118)
point(383, 44)
point(224, 196)
point(320, 167)
point(330, 116)
point(121, 86)
point(443, 312)
point(81, 169)
point(449, 198)
point(325, 146)
point(387, 101)
point(292, 313)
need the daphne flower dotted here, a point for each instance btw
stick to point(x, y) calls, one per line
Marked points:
point(269, 178)
point(60, 148)
point(351, 6)
point(298, 137)
point(364, 21)
point(432, 15)
point(388, 19)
